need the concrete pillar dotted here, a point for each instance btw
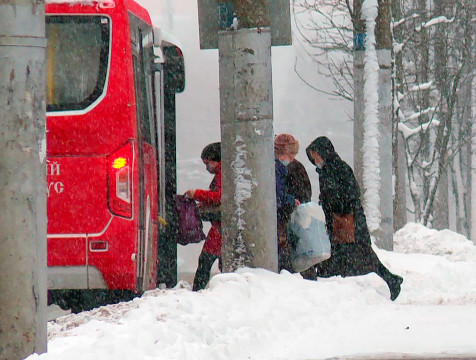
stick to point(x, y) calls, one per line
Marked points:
point(249, 227)
point(22, 179)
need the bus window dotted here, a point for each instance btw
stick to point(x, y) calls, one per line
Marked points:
point(147, 61)
point(143, 84)
point(77, 60)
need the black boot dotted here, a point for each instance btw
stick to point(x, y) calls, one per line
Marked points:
point(310, 274)
point(394, 282)
point(394, 286)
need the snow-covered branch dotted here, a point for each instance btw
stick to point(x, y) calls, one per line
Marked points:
point(403, 20)
point(424, 86)
point(420, 113)
point(437, 20)
point(434, 21)
point(397, 47)
point(407, 131)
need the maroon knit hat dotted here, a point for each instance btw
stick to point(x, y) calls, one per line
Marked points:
point(286, 144)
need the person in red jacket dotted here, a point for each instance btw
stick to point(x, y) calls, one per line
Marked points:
point(209, 199)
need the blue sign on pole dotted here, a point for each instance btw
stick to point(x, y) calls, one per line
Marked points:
point(359, 41)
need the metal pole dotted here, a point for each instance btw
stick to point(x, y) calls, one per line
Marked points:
point(22, 179)
point(249, 227)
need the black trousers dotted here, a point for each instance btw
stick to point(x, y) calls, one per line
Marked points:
point(202, 276)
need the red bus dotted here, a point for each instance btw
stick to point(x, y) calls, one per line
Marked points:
point(111, 83)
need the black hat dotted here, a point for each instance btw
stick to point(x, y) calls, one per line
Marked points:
point(212, 152)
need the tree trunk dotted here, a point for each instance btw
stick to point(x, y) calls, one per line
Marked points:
point(399, 163)
point(383, 47)
point(465, 119)
point(441, 209)
point(359, 106)
point(422, 77)
point(440, 213)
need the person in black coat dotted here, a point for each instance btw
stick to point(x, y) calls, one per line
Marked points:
point(340, 195)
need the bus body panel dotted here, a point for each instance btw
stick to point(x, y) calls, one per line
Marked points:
point(118, 263)
point(70, 251)
point(77, 195)
point(84, 231)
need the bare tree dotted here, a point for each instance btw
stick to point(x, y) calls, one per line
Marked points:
point(434, 57)
point(325, 30)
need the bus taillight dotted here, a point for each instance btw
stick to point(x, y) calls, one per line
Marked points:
point(119, 181)
point(119, 163)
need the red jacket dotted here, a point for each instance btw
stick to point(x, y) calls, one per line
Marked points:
point(212, 197)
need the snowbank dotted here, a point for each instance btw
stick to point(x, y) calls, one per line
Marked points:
point(418, 239)
point(256, 314)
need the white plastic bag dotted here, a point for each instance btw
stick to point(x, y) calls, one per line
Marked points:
point(313, 245)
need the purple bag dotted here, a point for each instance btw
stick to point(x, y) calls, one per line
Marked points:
point(189, 223)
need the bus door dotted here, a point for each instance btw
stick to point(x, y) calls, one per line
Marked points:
point(160, 135)
point(142, 45)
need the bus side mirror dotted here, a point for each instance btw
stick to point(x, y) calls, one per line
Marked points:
point(174, 67)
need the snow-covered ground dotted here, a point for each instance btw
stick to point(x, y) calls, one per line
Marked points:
point(256, 314)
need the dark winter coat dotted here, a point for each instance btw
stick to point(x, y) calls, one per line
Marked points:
point(340, 194)
point(298, 183)
point(212, 197)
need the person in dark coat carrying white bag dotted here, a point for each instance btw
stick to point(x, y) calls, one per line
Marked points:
point(351, 249)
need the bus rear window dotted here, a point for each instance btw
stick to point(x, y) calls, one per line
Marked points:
point(77, 60)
